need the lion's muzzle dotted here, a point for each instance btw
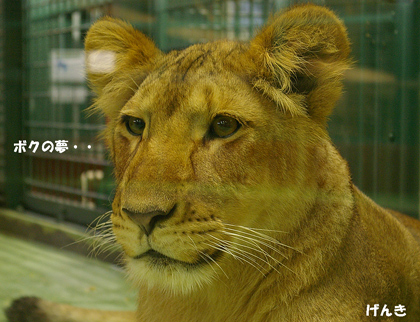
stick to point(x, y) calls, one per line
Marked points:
point(147, 220)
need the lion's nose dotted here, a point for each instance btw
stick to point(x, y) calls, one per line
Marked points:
point(146, 220)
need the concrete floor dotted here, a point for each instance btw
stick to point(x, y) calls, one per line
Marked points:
point(31, 268)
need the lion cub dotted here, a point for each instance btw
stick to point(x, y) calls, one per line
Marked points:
point(231, 203)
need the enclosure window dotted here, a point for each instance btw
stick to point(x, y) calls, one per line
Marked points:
point(375, 125)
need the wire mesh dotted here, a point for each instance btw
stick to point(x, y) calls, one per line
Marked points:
point(2, 119)
point(375, 125)
point(65, 183)
point(66, 170)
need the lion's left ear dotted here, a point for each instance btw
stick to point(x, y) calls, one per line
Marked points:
point(300, 58)
point(116, 56)
point(114, 46)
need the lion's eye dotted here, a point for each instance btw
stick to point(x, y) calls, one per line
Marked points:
point(224, 126)
point(134, 125)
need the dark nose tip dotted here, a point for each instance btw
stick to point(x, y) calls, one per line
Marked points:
point(146, 220)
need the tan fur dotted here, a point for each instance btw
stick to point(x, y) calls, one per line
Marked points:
point(264, 225)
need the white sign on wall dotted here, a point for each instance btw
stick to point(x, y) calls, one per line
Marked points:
point(68, 76)
point(67, 65)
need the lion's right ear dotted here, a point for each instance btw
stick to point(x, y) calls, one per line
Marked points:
point(114, 47)
point(299, 58)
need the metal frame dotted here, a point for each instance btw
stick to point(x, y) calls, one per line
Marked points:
point(375, 125)
point(75, 185)
point(2, 112)
point(12, 104)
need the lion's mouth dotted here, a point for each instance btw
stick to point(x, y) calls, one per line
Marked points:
point(158, 259)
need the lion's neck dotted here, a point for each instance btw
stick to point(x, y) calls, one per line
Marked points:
point(243, 290)
point(228, 299)
point(246, 291)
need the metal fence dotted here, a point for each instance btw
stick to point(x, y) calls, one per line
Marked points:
point(2, 130)
point(66, 173)
point(76, 184)
point(375, 125)
point(182, 23)
point(2, 113)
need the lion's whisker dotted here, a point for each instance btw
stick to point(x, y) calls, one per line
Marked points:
point(99, 219)
point(101, 238)
point(135, 83)
point(249, 255)
point(254, 247)
point(256, 229)
point(238, 255)
point(223, 245)
point(258, 249)
point(248, 238)
point(249, 241)
point(254, 258)
point(202, 254)
point(257, 234)
point(266, 254)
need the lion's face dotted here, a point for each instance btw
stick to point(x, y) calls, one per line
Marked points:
point(195, 160)
point(213, 163)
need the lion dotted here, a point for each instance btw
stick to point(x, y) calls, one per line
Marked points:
point(232, 203)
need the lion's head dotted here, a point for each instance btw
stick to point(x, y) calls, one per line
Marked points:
point(220, 150)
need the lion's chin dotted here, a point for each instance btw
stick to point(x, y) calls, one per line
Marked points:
point(155, 270)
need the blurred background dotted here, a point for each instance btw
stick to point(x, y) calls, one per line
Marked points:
point(43, 94)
